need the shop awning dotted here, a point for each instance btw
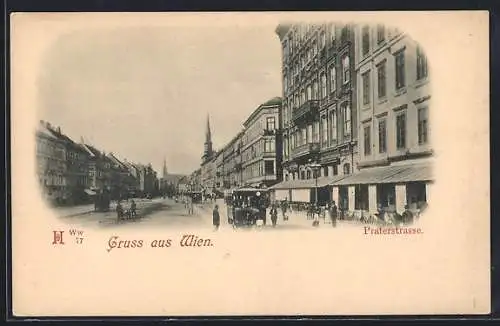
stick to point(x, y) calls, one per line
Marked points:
point(307, 183)
point(390, 174)
point(90, 192)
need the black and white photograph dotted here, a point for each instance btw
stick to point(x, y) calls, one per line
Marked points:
point(254, 163)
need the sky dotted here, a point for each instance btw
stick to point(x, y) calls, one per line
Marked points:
point(144, 93)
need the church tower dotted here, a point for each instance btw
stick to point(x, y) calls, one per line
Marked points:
point(207, 154)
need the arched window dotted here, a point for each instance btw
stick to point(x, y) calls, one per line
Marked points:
point(347, 168)
point(333, 78)
point(309, 92)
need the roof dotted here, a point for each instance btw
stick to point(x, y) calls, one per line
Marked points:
point(173, 177)
point(272, 102)
point(308, 183)
point(391, 174)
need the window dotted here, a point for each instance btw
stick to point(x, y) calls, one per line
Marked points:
point(316, 132)
point(422, 126)
point(335, 170)
point(302, 175)
point(269, 167)
point(309, 134)
point(324, 131)
point(304, 136)
point(401, 131)
point(333, 127)
point(323, 39)
point(367, 140)
point(382, 135)
point(347, 119)
point(347, 168)
point(333, 78)
point(308, 174)
point(332, 32)
point(344, 34)
point(270, 123)
point(323, 85)
point(325, 171)
point(381, 80)
point(346, 73)
point(421, 64)
point(366, 39)
point(380, 33)
point(269, 146)
point(400, 70)
point(315, 90)
point(366, 87)
point(309, 92)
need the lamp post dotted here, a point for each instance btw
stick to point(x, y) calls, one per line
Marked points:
point(315, 168)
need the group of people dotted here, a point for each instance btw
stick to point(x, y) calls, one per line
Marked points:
point(120, 212)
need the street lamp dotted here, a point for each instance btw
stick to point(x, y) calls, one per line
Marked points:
point(315, 168)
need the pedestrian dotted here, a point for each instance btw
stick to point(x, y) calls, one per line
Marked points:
point(407, 216)
point(274, 214)
point(284, 208)
point(333, 213)
point(133, 207)
point(216, 217)
point(119, 210)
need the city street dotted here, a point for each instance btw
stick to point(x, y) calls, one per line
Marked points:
point(169, 214)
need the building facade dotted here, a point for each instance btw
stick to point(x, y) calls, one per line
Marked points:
point(319, 112)
point(393, 96)
point(51, 163)
point(232, 162)
point(261, 151)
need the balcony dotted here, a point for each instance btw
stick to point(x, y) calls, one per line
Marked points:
point(308, 109)
point(306, 149)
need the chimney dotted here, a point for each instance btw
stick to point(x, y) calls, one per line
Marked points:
point(59, 130)
point(82, 141)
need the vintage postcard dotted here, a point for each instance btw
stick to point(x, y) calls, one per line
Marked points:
point(221, 164)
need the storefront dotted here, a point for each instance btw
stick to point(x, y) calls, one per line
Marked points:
point(390, 187)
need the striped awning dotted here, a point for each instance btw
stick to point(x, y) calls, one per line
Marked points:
point(390, 174)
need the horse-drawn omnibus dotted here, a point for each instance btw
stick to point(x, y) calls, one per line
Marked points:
point(248, 205)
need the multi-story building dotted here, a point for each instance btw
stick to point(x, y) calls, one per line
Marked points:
point(121, 180)
point(219, 171)
point(319, 115)
point(51, 163)
point(393, 98)
point(261, 151)
point(232, 162)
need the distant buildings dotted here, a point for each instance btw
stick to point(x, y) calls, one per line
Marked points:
point(169, 183)
point(70, 172)
point(250, 158)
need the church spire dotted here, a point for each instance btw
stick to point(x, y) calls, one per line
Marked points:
point(208, 133)
point(165, 172)
point(208, 141)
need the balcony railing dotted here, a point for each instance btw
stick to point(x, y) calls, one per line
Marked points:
point(309, 108)
point(306, 149)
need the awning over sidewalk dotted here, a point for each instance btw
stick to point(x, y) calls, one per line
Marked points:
point(390, 174)
point(307, 183)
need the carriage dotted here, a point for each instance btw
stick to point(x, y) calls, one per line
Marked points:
point(248, 207)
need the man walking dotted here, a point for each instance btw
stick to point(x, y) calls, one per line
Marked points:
point(333, 213)
point(216, 217)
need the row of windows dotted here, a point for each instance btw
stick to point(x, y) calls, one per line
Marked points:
point(401, 132)
point(313, 90)
point(256, 129)
point(324, 131)
point(309, 174)
point(258, 169)
point(266, 145)
point(400, 75)
point(299, 35)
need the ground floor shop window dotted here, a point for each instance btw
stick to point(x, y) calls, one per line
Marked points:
point(361, 197)
point(415, 194)
point(386, 196)
point(343, 198)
